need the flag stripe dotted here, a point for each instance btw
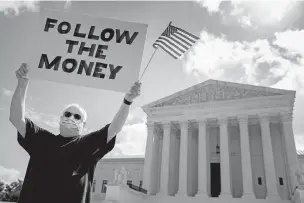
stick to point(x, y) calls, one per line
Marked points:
point(187, 44)
point(167, 40)
point(182, 39)
point(166, 50)
point(162, 42)
point(191, 40)
point(187, 33)
point(175, 41)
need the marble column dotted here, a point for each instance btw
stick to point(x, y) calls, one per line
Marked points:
point(290, 147)
point(156, 159)
point(148, 170)
point(271, 183)
point(183, 159)
point(164, 181)
point(225, 159)
point(246, 158)
point(202, 159)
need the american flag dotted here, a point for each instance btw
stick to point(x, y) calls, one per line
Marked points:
point(175, 41)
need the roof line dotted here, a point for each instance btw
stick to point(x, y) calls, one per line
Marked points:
point(212, 81)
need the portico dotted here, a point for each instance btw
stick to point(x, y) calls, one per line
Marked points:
point(221, 139)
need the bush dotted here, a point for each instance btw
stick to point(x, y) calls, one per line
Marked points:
point(10, 192)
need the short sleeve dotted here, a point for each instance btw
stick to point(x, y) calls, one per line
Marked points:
point(35, 138)
point(95, 143)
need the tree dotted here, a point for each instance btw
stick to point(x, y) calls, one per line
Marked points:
point(10, 192)
point(2, 190)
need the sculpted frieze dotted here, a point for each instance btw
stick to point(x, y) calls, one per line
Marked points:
point(214, 92)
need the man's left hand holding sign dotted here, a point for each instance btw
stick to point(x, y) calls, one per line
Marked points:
point(65, 161)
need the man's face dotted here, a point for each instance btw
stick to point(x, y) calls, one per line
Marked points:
point(71, 122)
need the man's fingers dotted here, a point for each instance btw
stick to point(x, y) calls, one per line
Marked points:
point(24, 65)
point(22, 72)
point(18, 74)
point(26, 70)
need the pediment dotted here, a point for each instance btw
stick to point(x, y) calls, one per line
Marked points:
point(213, 90)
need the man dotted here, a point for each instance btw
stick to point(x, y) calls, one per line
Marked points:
point(61, 167)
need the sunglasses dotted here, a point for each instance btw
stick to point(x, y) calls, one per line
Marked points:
point(69, 114)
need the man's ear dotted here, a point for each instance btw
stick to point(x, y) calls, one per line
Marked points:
point(84, 124)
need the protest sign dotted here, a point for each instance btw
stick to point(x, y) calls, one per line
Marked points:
point(88, 51)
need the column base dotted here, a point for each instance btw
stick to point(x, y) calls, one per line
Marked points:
point(181, 194)
point(248, 196)
point(225, 195)
point(273, 197)
point(202, 195)
point(162, 194)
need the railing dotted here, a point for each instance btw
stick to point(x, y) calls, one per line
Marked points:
point(137, 188)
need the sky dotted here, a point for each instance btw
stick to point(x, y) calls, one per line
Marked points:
point(250, 42)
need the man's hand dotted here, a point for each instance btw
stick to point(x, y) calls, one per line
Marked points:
point(21, 73)
point(17, 111)
point(134, 92)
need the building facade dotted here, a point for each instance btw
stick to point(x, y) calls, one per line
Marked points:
point(222, 139)
point(105, 173)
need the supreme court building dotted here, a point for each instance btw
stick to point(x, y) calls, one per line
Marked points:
point(222, 139)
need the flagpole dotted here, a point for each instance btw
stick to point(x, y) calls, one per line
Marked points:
point(148, 63)
point(151, 58)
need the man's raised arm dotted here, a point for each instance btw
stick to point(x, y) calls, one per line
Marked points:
point(17, 110)
point(123, 112)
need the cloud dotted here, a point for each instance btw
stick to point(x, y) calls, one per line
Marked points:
point(7, 92)
point(299, 140)
point(32, 114)
point(292, 40)
point(131, 141)
point(13, 8)
point(47, 121)
point(9, 175)
point(5, 95)
point(256, 62)
point(136, 116)
point(211, 5)
point(134, 139)
point(250, 13)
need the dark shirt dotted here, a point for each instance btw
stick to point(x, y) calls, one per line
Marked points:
point(61, 169)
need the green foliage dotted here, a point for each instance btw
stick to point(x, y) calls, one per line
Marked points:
point(10, 192)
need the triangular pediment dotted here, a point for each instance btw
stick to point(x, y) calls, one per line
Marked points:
point(214, 90)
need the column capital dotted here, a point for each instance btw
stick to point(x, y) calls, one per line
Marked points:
point(202, 121)
point(150, 126)
point(222, 121)
point(264, 118)
point(286, 117)
point(242, 118)
point(184, 123)
point(150, 123)
point(166, 124)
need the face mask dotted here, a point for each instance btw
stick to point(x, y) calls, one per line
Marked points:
point(70, 127)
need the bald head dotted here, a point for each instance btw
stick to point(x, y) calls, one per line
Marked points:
point(72, 120)
point(76, 108)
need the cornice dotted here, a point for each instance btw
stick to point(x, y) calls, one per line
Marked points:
point(223, 83)
point(248, 103)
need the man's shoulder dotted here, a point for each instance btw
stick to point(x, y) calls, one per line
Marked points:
point(103, 130)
